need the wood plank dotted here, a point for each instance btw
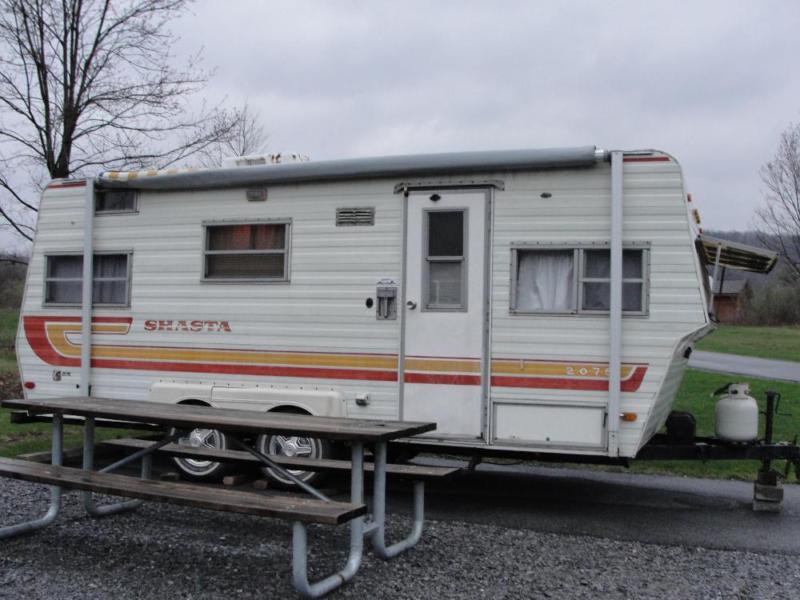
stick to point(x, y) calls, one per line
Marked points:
point(293, 508)
point(24, 418)
point(186, 416)
point(309, 464)
point(68, 454)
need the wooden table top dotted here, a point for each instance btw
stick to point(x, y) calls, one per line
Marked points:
point(185, 416)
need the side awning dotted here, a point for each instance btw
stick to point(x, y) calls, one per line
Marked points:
point(733, 255)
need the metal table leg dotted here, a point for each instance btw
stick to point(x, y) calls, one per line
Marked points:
point(379, 510)
point(89, 504)
point(300, 540)
point(55, 491)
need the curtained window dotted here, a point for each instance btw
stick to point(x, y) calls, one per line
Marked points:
point(110, 281)
point(576, 280)
point(254, 251)
point(545, 281)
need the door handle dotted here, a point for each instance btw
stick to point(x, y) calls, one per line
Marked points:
point(411, 305)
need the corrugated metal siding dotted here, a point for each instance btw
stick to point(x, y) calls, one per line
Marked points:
point(59, 229)
point(578, 211)
point(334, 269)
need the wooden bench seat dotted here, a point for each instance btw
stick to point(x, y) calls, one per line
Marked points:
point(308, 464)
point(292, 508)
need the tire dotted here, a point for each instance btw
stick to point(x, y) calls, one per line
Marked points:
point(282, 445)
point(202, 470)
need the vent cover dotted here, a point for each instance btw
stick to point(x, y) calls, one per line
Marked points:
point(363, 215)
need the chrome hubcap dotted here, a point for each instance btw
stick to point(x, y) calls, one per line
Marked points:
point(290, 446)
point(201, 438)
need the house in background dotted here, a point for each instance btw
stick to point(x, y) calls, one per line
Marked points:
point(728, 300)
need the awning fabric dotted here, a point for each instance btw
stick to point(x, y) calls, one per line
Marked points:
point(735, 255)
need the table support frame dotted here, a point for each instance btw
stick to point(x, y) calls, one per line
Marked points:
point(372, 527)
point(359, 528)
point(104, 510)
point(55, 491)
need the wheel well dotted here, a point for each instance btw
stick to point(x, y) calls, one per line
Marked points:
point(290, 409)
point(194, 402)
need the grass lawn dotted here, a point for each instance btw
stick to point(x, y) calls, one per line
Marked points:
point(781, 343)
point(8, 331)
point(21, 439)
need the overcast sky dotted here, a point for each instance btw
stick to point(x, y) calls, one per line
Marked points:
point(713, 83)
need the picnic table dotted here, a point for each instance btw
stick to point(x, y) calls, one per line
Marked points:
point(315, 507)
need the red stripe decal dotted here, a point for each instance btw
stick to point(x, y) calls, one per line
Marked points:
point(646, 159)
point(263, 370)
point(443, 378)
point(67, 184)
point(36, 333)
point(564, 383)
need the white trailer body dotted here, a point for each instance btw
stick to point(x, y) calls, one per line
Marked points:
point(537, 301)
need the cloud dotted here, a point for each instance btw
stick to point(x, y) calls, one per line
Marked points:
point(710, 82)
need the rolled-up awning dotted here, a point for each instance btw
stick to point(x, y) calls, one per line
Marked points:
point(445, 164)
point(733, 255)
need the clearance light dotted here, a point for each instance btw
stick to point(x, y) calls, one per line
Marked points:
point(628, 417)
point(29, 385)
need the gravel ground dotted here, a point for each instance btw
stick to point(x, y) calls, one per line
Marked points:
point(163, 551)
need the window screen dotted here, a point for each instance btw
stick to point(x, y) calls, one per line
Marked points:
point(247, 251)
point(64, 281)
point(445, 260)
point(596, 280)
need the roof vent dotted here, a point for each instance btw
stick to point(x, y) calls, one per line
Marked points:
point(264, 159)
point(362, 215)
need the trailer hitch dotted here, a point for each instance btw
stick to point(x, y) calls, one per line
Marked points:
point(767, 488)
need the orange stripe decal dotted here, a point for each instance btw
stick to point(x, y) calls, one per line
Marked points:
point(56, 341)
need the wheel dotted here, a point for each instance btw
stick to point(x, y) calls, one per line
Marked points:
point(303, 447)
point(198, 469)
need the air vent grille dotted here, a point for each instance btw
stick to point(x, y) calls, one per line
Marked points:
point(362, 215)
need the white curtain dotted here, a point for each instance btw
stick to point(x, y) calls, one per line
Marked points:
point(544, 280)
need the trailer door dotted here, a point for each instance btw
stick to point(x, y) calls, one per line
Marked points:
point(445, 313)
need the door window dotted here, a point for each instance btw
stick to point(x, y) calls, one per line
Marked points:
point(445, 264)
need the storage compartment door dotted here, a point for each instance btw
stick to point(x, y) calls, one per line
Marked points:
point(549, 425)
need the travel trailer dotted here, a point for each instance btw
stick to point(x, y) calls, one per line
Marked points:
point(533, 301)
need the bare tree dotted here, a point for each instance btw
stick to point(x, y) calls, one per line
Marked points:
point(89, 84)
point(247, 136)
point(778, 219)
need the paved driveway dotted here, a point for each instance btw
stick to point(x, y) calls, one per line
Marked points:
point(683, 511)
point(782, 370)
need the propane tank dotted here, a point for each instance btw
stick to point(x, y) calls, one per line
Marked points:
point(736, 415)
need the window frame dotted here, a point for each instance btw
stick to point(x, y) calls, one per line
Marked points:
point(426, 262)
point(128, 278)
point(578, 278)
point(286, 251)
point(126, 211)
point(644, 279)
